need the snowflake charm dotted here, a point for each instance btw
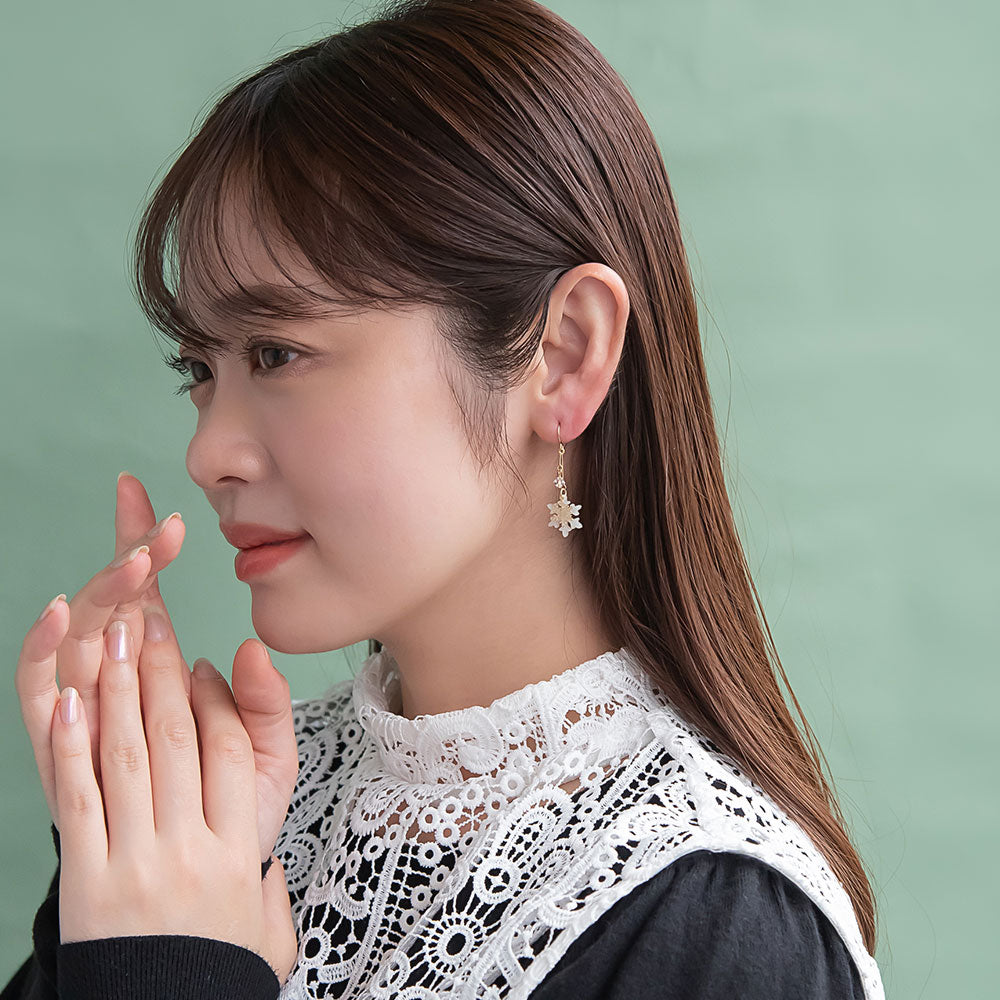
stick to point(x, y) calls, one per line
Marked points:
point(563, 512)
point(564, 516)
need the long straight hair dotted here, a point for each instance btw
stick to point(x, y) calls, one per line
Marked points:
point(466, 154)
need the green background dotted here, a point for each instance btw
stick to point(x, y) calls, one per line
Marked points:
point(835, 170)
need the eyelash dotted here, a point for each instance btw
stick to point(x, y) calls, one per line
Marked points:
point(179, 363)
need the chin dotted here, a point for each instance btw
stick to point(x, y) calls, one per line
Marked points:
point(282, 640)
point(286, 644)
point(283, 637)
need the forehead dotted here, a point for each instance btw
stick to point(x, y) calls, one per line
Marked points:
point(236, 268)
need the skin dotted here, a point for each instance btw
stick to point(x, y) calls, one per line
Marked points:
point(355, 439)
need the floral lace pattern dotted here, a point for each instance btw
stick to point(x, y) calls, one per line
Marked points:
point(460, 854)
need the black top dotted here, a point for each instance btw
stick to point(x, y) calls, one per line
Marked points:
point(709, 926)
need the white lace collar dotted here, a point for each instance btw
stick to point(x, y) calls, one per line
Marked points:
point(519, 732)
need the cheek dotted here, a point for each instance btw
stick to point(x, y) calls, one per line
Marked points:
point(390, 494)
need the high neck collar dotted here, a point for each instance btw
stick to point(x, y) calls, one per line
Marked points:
point(599, 705)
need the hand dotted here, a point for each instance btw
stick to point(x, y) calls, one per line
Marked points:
point(70, 640)
point(262, 693)
point(169, 844)
point(263, 697)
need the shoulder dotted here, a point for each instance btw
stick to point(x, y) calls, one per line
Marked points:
point(712, 924)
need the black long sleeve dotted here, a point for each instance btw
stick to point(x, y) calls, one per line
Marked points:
point(710, 926)
point(137, 967)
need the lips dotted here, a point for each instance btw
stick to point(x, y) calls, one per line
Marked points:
point(260, 560)
point(244, 535)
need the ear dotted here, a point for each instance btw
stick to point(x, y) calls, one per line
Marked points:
point(580, 350)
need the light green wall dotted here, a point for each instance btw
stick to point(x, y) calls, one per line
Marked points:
point(835, 169)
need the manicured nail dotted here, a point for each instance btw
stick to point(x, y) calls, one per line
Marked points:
point(117, 641)
point(129, 556)
point(69, 705)
point(157, 528)
point(156, 626)
point(123, 473)
point(48, 608)
point(204, 669)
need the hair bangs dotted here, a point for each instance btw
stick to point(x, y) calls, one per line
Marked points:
point(250, 199)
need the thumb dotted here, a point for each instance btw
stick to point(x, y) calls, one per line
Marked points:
point(282, 946)
point(263, 699)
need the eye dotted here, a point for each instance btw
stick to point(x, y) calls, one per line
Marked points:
point(267, 347)
point(184, 363)
point(180, 365)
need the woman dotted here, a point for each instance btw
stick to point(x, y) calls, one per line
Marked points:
point(566, 766)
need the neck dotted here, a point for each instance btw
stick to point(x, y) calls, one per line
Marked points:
point(489, 633)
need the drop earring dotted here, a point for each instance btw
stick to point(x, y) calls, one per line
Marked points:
point(564, 514)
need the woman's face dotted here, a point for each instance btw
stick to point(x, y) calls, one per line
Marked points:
point(345, 429)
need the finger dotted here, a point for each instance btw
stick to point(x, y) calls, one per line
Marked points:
point(171, 736)
point(134, 514)
point(118, 582)
point(263, 700)
point(83, 842)
point(115, 591)
point(82, 648)
point(125, 781)
point(134, 520)
point(229, 793)
point(156, 612)
point(38, 694)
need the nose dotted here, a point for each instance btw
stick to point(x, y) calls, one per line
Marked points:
point(224, 445)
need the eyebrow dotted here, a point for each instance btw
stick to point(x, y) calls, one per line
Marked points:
point(243, 300)
point(239, 305)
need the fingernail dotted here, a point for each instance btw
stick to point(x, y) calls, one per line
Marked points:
point(69, 705)
point(130, 555)
point(124, 473)
point(157, 528)
point(117, 641)
point(202, 668)
point(48, 608)
point(156, 626)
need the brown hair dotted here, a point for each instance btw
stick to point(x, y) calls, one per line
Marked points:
point(467, 154)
